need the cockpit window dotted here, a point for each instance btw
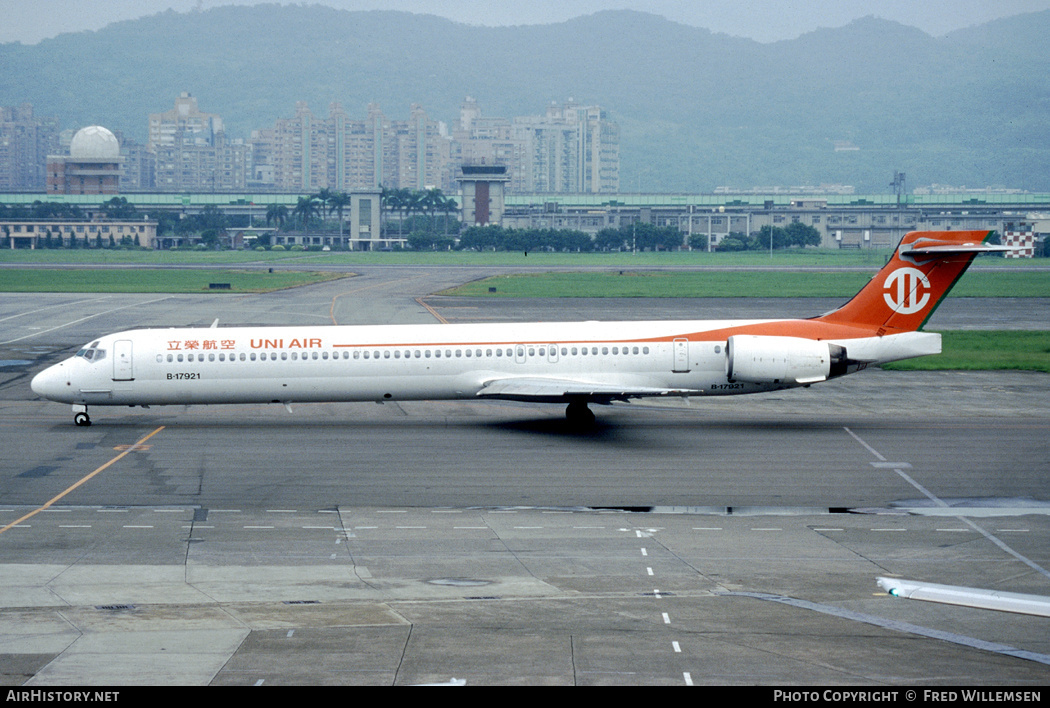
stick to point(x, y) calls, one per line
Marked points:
point(92, 353)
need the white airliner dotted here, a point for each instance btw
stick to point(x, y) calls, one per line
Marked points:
point(577, 363)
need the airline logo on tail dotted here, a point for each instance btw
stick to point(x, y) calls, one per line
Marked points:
point(923, 269)
point(907, 290)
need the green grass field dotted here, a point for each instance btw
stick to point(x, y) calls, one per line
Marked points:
point(155, 280)
point(1000, 283)
point(985, 350)
point(831, 258)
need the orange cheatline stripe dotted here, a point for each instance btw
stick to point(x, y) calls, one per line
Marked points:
point(807, 329)
point(82, 481)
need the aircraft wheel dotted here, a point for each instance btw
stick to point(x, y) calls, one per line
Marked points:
point(579, 415)
point(82, 419)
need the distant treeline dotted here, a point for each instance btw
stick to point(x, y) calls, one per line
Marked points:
point(635, 237)
point(643, 237)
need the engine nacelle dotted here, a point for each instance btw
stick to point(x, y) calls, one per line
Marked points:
point(782, 360)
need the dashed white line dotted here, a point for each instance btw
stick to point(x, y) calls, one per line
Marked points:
point(83, 319)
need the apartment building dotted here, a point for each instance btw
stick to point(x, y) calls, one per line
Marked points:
point(192, 152)
point(25, 142)
point(309, 152)
point(184, 123)
point(571, 148)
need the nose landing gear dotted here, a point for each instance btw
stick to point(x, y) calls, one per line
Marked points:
point(80, 416)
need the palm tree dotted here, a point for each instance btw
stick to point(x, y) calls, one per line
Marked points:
point(276, 214)
point(431, 200)
point(306, 209)
point(448, 206)
point(391, 200)
point(411, 201)
point(325, 197)
point(339, 201)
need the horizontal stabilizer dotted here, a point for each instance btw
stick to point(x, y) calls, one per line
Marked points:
point(947, 249)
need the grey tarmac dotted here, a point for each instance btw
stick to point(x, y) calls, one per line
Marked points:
point(724, 542)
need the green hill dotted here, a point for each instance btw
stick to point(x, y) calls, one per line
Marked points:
point(696, 109)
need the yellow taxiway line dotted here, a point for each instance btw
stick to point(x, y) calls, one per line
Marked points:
point(82, 481)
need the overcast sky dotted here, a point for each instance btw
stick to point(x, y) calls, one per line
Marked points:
point(30, 21)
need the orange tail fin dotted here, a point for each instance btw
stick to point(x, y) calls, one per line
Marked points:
point(924, 267)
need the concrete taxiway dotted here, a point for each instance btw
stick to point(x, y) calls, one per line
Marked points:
point(728, 541)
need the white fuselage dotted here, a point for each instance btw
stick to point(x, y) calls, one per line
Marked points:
point(403, 362)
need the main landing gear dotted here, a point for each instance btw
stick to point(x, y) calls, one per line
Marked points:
point(80, 416)
point(579, 415)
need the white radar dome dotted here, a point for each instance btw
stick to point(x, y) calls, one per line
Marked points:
point(94, 142)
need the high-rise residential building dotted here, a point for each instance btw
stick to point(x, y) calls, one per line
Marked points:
point(569, 149)
point(193, 153)
point(138, 171)
point(25, 143)
point(479, 140)
point(300, 152)
point(224, 167)
point(308, 152)
point(185, 123)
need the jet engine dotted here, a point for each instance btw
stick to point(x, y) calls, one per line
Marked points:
point(782, 360)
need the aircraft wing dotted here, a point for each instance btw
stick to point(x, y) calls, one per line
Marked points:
point(554, 390)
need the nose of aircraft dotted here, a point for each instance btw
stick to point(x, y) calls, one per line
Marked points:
point(50, 383)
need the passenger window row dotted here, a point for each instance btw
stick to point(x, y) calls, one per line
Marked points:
point(388, 353)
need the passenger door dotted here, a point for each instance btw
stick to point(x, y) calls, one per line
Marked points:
point(123, 367)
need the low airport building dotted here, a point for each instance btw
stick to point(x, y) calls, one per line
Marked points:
point(846, 221)
point(64, 233)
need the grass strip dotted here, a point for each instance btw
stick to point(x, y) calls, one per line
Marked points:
point(153, 280)
point(1000, 283)
point(802, 258)
point(1020, 350)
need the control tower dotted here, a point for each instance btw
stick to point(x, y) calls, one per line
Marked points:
point(483, 194)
